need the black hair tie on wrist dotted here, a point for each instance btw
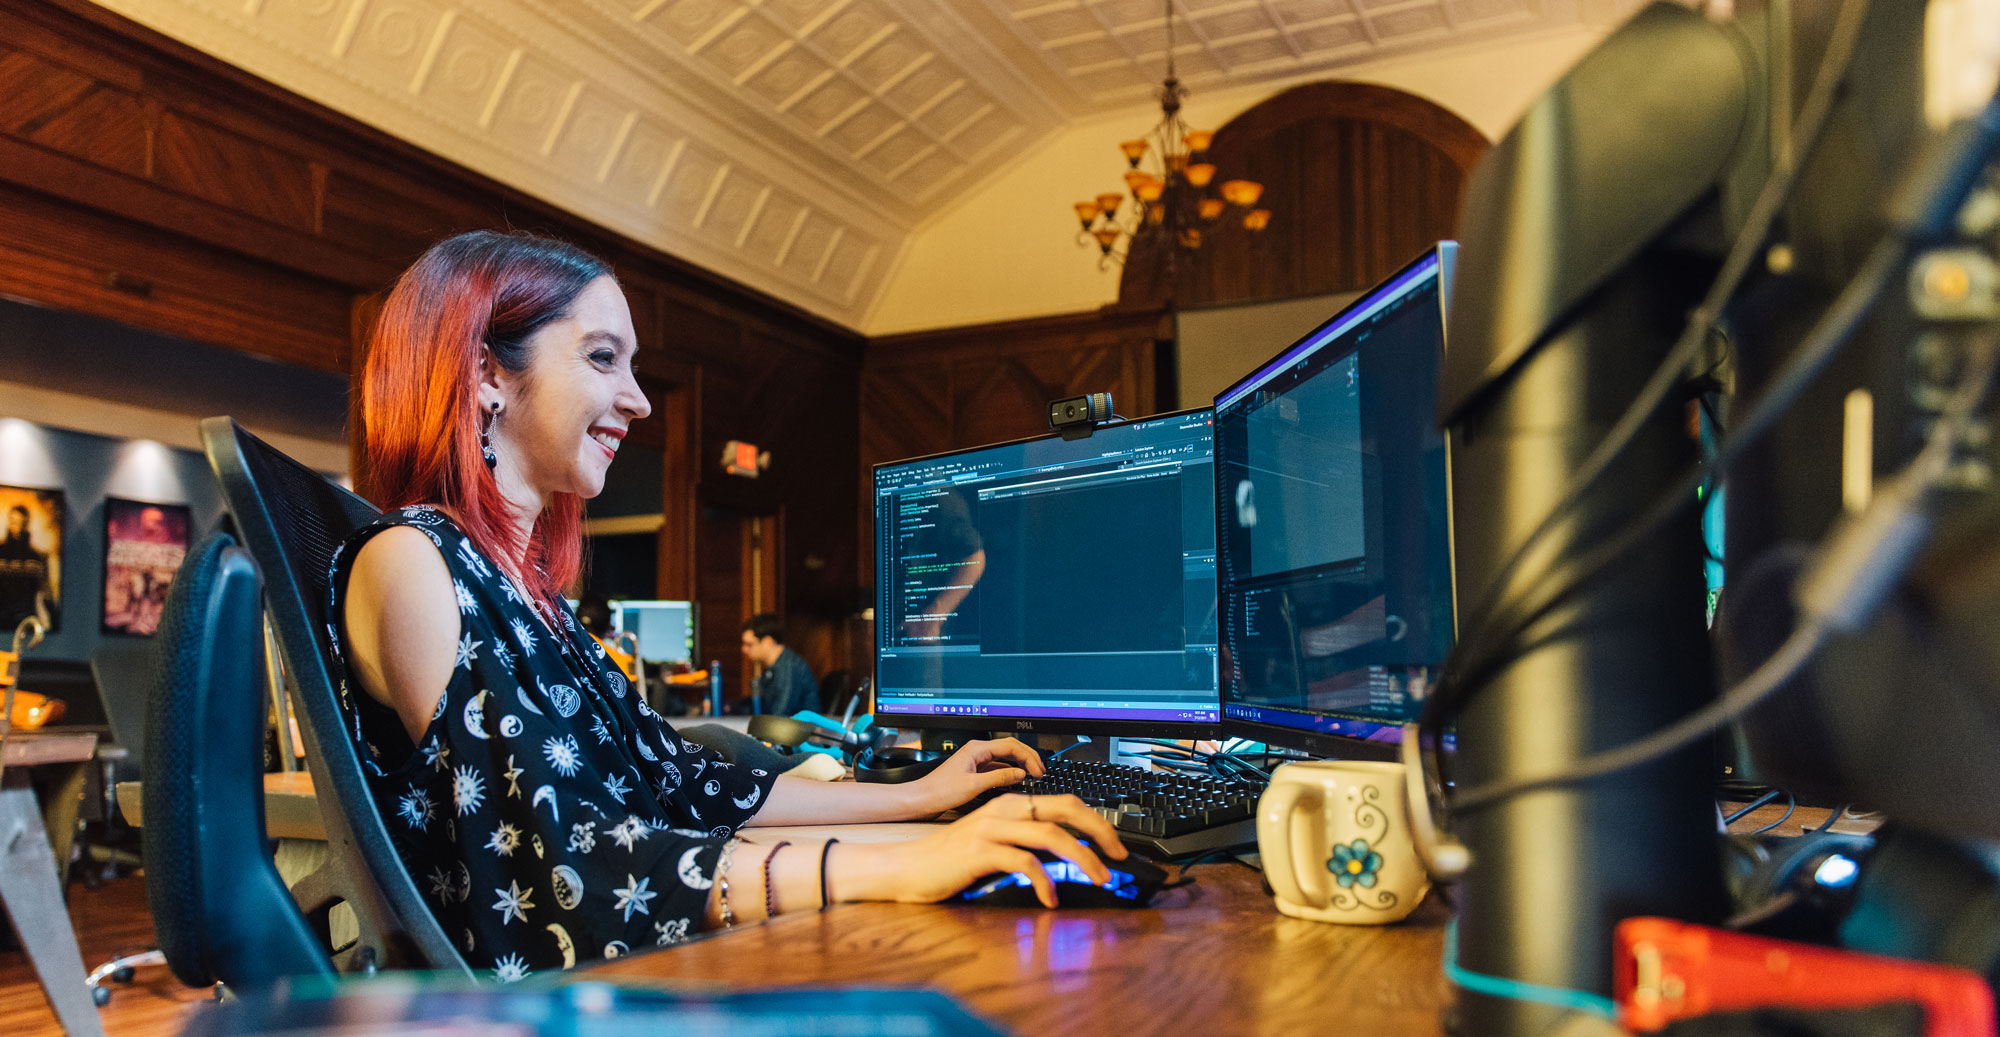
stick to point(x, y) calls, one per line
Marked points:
point(824, 849)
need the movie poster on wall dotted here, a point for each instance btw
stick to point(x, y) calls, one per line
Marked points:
point(31, 536)
point(143, 547)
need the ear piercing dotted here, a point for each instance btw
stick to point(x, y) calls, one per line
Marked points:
point(486, 438)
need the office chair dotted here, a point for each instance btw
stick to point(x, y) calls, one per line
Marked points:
point(290, 520)
point(220, 909)
point(123, 675)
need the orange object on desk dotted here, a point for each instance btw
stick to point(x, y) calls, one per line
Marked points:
point(1668, 970)
point(32, 710)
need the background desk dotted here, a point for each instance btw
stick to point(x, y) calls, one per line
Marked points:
point(1214, 957)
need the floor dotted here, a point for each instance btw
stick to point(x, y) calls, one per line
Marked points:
point(109, 920)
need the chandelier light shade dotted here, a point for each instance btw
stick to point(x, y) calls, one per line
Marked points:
point(1177, 197)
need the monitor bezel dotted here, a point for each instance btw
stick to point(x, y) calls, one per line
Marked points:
point(1003, 724)
point(1320, 743)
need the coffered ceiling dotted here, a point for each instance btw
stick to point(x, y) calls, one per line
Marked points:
point(791, 144)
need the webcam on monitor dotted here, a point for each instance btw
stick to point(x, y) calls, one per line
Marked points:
point(1079, 416)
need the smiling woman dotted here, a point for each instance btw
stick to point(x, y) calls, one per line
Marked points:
point(548, 810)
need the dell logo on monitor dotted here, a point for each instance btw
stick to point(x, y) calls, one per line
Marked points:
point(1024, 725)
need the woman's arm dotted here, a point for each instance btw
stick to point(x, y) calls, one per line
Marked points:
point(976, 767)
point(998, 837)
point(402, 624)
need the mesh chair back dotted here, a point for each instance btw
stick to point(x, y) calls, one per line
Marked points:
point(291, 519)
point(220, 909)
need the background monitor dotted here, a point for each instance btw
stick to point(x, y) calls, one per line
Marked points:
point(1051, 585)
point(1333, 520)
point(665, 628)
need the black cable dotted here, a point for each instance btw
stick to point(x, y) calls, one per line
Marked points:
point(1827, 825)
point(1855, 567)
point(1791, 804)
point(1754, 804)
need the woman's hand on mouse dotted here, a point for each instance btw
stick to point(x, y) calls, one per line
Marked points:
point(1001, 836)
point(977, 766)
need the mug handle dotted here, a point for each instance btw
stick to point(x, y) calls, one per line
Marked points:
point(1274, 834)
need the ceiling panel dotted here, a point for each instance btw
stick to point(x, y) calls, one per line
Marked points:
point(790, 144)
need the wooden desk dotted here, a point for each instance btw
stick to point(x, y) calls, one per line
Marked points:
point(290, 811)
point(1214, 957)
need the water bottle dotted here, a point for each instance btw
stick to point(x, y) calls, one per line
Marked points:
point(715, 687)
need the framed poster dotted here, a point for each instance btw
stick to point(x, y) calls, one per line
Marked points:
point(143, 547)
point(31, 535)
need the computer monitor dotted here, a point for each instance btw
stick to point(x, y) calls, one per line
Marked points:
point(1051, 584)
point(665, 628)
point(1333, 520)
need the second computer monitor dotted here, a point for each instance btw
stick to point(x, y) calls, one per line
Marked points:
point(1051, 584)
point(665, 629)
point(1333, 525)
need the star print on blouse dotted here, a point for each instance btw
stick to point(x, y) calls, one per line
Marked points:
point(634, 896)
point(514, 902)
point(615, 786)
point(435, 751)
point(468, 650)
point(513, 776)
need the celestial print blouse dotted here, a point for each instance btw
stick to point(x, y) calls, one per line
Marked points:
point(549, 814)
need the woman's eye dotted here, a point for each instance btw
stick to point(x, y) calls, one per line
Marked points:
point(604, 358)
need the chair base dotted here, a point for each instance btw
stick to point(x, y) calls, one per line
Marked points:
point(118, 970)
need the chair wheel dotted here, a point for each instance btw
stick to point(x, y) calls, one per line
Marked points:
point(123, 975)
point(100, 995)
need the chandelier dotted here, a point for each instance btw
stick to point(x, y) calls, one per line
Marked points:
point(1176, 194)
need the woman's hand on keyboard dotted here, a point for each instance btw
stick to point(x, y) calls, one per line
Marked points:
point(976, 767)
point(998, 837)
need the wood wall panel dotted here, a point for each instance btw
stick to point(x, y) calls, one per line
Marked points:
point(148, 183)
point(932, 391)
point(1358, 178)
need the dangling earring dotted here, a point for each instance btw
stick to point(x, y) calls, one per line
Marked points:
point(486, 438)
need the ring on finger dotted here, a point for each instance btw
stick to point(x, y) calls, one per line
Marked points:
point(1031, 809)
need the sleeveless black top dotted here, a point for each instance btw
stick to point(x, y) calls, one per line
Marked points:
point(548, 812)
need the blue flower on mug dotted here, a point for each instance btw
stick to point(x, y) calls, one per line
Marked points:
point(1354, 864)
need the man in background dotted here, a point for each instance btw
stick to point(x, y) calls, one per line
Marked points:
point(787, 684)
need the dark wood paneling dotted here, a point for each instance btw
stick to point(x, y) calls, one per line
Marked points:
point(1359, 179)
point(143, 181)
point(933, 391)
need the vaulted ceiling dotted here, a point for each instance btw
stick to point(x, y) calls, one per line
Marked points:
point(793, 145)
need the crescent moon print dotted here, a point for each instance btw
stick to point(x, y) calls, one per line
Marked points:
point(475, 717)
point(568, 887)
point(751, 800)
point(563, 941)
point(645, 751)
point(690, 871)
point(528, 703)
point(547, 792)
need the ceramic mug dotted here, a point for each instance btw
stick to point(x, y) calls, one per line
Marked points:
point(1335, 839)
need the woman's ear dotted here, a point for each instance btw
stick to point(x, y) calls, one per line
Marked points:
point(491, 390)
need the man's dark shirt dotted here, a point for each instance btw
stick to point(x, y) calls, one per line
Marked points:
point(787, 686)
point(23, 572)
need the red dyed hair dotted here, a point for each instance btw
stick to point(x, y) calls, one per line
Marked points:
point(419, 390)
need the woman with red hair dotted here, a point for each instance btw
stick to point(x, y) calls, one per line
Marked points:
point(548, 811)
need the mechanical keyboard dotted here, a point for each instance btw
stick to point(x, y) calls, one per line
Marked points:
point(1160, 813)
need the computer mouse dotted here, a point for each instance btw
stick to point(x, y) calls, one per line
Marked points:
point(1134, 880)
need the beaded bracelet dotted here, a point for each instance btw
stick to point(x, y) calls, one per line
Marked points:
point(824, 849)
point(770, 894)
point(722, 880)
